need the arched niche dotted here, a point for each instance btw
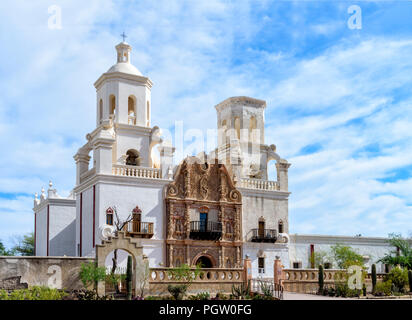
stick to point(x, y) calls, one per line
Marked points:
point(131, 246)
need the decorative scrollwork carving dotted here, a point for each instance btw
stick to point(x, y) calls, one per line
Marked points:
point(203, 187)
point(172, 190)
point(234, 195)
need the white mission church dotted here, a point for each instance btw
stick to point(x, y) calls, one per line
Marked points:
point(216, 209)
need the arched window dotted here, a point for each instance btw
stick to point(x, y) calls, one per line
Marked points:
point(148, 114)
point(133, 158)
point(100, 111)
point(280, 226)
point(132, 110)
point(112, 105)
point(109, 216)
point(237, 127)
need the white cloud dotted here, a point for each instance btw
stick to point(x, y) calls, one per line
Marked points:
point(190, 51)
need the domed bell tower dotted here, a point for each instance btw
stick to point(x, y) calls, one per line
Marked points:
point(123, 93)
point(240, 122)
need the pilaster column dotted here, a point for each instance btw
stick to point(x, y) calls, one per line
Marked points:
point(188, 262)
point(82, 165)
point(166, 161)
point(187, 220)
point(238, 222)
point(170, 224)
point(282, 167)
point(171, 255)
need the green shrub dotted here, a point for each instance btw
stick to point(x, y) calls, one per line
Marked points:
point(177, 291)
point(410, 280)
point(200, 296)
point(383, 288)
point(240, 292)
point(114, 278)
point(267, 288)
point(221, 296)
point(4, 295)
point(89, 295)
point(34, 293)
point(153, 298)
point(90, 274)
point(158, 298)
point(45, 293)
point(399, 278)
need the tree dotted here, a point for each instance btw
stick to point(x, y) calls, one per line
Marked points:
point(119, 225)
point(402, 255)
point(183, 274)
point(345, 256)
point(91, 274)
point(319, 258)
point(24, 245)
point(129, 276)
point(3, 250)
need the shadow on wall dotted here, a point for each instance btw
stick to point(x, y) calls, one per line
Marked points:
point(64, 242)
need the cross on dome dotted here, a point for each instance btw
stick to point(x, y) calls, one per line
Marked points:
point(124, 36)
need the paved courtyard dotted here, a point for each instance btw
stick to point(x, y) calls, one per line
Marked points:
point(303, 296)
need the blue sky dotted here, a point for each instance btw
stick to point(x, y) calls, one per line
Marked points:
point(339, 99)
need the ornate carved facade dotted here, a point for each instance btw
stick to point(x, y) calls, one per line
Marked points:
point(203, 210)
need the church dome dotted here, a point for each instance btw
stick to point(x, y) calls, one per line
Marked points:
point(125, 67)
point(123, 64)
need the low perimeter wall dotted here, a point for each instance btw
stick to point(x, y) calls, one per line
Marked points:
point(63, 273)
point(54, 272)
point(306, 280)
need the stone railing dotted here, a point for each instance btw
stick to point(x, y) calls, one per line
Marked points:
point(306, 280)
point(134, 171)
point(379, 276)
point(211, 280)
point(132, 120)
point(259, 184)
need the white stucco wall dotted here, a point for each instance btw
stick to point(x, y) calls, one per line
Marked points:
point(256, 205)
point(62, 229)
point(268, 251)
point(374, 248)
point(41, 231)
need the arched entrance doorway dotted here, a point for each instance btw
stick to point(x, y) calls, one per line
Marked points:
point(204, 262)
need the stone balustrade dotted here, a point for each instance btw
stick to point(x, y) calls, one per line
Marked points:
point(259, 184)
point(134, 171)
point(206, 275)
point(306, 280)
point(211, 280)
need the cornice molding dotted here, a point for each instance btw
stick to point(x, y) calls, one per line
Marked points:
point(253, 102)
point(120, 76)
